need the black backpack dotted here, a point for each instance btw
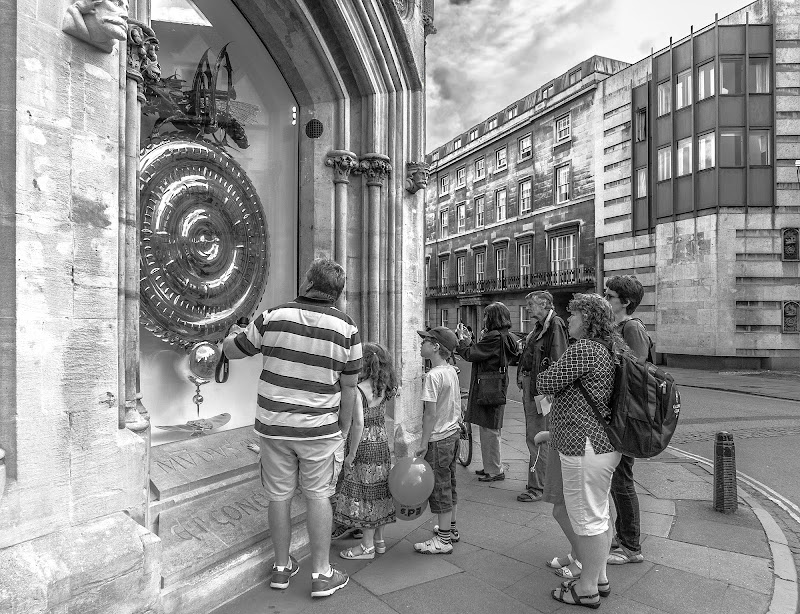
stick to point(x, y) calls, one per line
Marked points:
point(645, 406)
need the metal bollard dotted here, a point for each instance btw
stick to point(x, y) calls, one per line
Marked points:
point(726, 498)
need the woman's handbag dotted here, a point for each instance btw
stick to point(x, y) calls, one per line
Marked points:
point(492, 385)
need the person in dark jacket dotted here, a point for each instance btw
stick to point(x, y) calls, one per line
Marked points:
point(496, 348)
point(544, 345)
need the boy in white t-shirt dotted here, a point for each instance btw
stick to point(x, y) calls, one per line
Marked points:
point(441, 396)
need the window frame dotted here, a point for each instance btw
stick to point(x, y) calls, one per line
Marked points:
point(712, 81)
point(480, 266)
point(659, 151)
point(751, 71)
point(685, 97)
point(461, 271)
point(497, 209)
point(700, 158)
point(666, 97)
point(640, 125)
point(511, 113)
point(500, 250)
point(491, 124)
point(529, 182)
point(473, 134)
point(568, 136)
point(523, 248)
point(482, 174)
point(552, 240)
point(444, 317)
point(461, 177)
point(461, 217)
point(444, 222)
point(497, 166)
point(524, 319)
point(723, 132)
point(444, 272)
point(444, 184)
point(457, 143)
point(723, 60)
point(639, 172)
point(480, 214)
point(547, 91)
point(524, 154)
point(575, 76)
point(750, 149)
point(557, 192)
point(681, 147)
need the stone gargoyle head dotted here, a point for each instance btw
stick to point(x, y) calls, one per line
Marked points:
point(97, 22)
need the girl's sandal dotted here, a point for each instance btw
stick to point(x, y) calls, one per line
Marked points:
point(557, 564)
point(380, 546)
point(566, 572)
point(352, 554)
point(558, 595)
point(603, 588)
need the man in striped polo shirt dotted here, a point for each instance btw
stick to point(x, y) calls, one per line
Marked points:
point(312, 357)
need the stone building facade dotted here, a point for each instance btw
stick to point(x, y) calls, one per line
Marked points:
point(700, 180)
point(511, 202)
point(308, 115)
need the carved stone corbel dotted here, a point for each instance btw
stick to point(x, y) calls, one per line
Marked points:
point(375, 167)
point(342, 162)
point(417, 174)
point(97, 22)
point(427, 17)
point(142, 63)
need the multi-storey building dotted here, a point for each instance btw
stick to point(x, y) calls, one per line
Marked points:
point(699, 194)
point(510, 203)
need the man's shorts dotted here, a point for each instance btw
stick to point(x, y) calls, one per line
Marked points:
point(316, 462)
point(441, 456)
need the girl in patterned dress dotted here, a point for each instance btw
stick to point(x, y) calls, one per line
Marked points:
point(364, 500)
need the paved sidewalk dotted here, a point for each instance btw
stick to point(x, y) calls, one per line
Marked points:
point(696, 559)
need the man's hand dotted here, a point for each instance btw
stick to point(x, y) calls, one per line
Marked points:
point(519, 384)
point(541, 437)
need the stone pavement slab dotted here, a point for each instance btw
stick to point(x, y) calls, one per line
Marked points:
point(655, 524)
point(672, 481)
point(744, 540)
point(496, 569)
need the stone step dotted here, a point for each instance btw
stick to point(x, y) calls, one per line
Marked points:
point(211, 529)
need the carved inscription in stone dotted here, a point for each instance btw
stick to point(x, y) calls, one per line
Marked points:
point(791, 244)
point(185, 465)
point(791, 311)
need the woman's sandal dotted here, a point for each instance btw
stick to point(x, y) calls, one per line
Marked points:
point(380, 546)
point(556, 562)
point(566, 572)
point(603, 588)
point(558, 595)
point(351, 554)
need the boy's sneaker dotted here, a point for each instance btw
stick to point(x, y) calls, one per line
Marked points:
point(323, 586)
point(280, 579)
point(454, 537)
point(433, 546)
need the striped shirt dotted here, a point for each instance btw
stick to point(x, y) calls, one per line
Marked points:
point(307, 345)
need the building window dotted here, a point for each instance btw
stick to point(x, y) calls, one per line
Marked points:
point(427, 267)
point(444, 270)
point(473, 134)
point(731, 76)
point(758, 76)
point(574, 77)
point(524, 319)
point(664, 163)
point(684, 157)
point(480, 266)
point(428, 316)
point(525, 196)
point(445, 319)
point(524, 252)
point(444, 185)
point(461, 177)
point(444, 226)
point(563, 128)
point(480, 169)
point(461, 272)
point(705, 151)
point(511, 113)
point(435, 156)
point(731, 147)
point(547, 92)
point(641, 182)
point(562, 253)
point(492, 124)
point(641, 124)
point(758, 148)
point(664, 98)
point(525, 147)
point(500, 263)
point(500, 204)
point(480, 203)
point(461, 216)
point(562, 183)
point(501, 159)
point(705, 80)
point(457, 143)
point(683, 89)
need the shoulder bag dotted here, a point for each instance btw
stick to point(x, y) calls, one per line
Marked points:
point(492, 385)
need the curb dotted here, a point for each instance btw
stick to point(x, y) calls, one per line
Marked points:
point(753, 393)
point(784, 574)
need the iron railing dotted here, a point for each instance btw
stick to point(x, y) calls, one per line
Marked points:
point(582, 276)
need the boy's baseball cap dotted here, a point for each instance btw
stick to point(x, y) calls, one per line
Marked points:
point(446, 337)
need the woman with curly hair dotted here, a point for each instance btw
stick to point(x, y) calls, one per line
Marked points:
point(587, 457)
point(364, 501)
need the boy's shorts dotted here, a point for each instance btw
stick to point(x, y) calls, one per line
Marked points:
point(441, 456)
point(315, 463)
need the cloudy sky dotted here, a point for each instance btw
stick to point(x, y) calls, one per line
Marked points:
point(489, 53)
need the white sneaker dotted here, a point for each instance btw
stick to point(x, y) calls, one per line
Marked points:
point(433, 546)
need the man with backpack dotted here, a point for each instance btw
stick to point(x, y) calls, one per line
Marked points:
point(624, 293)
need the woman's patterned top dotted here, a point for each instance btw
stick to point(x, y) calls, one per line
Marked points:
point(571, 417)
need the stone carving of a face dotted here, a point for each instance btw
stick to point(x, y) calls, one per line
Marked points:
point(98, 22)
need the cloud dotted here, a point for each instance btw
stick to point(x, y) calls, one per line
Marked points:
point(489, 53)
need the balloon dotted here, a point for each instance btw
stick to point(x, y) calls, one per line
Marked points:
point(411, 483)
point(203, 359)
